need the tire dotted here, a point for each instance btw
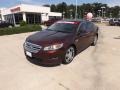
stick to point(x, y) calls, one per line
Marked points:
point(95, 40)
point(69, 55)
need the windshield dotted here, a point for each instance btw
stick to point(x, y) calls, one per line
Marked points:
point(64, 27)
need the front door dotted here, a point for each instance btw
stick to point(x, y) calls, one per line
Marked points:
point(82, 38)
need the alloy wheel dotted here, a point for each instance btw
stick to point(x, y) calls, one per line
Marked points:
point(70, 53)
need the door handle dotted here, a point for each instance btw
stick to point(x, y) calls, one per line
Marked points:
point(85, 34)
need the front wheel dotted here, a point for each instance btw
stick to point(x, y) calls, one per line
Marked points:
point(69, 55)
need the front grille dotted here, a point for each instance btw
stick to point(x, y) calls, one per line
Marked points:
point(34, 48)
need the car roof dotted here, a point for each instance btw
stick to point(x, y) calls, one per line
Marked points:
point(73, 20)
point(78, 21)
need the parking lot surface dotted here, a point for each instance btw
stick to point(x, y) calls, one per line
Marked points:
point(96, 68)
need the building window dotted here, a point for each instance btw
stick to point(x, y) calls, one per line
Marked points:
point(9, 18)
point(18, 18)
point(33, 18)
point(54, 17)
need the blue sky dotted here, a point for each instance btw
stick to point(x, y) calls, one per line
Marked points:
point(8, 3)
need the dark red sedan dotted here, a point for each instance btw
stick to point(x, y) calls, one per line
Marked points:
point(61, 42)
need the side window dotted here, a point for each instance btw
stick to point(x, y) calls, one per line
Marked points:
point(82, 27)
point(89, 26)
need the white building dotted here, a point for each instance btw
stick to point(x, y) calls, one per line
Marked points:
point(1, 13)
point(29, 13)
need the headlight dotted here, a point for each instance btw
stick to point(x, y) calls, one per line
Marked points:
point(53, 47)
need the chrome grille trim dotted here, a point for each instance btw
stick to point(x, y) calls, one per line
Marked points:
point(34, 48)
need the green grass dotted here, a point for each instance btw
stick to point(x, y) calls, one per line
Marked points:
point(17, 30)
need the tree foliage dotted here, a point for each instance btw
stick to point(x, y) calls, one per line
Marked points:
point(69, 10)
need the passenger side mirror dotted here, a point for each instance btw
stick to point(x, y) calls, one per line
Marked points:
point(80, 32)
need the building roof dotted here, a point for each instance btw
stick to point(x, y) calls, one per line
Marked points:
point(26, 8)
point(30, 9)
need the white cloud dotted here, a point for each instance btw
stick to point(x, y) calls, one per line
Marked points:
point(31, 2)
point(25, 0)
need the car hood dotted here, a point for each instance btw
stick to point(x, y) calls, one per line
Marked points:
point(48, 37)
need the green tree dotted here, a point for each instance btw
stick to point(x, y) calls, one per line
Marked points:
point(69, 10)
point(53, 8)
point(115, 11)
point(62, 7)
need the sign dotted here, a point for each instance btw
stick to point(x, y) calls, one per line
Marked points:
point(15, 9)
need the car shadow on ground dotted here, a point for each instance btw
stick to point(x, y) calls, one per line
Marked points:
point(38, 63)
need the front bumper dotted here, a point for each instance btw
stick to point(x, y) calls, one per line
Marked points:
point(47, 57)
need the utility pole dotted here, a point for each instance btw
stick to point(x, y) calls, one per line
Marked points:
point(70, 13)
point(99, 12)
point(102, 11)
point(76, 11)
point(104, 14)
point(63, 15)
point(110, 15)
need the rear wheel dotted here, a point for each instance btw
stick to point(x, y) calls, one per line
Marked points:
point(70, 54)
point(95, 40)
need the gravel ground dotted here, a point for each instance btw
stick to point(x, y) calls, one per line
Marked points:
point(96, 68)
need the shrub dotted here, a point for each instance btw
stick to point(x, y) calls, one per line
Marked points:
point(22, 29)
point(23, 23)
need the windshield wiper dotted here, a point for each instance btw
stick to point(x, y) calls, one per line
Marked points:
point(58, 31)
point(63, 31)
